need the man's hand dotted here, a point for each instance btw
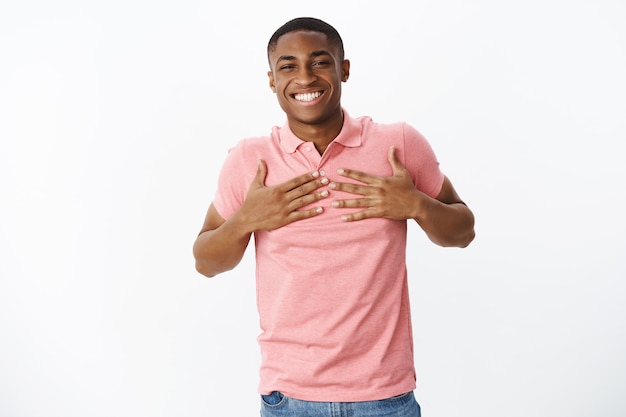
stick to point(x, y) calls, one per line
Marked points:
point(268, 208)
point(393, 197)
point(446, 219)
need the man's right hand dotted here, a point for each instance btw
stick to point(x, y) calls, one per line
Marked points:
point(222, 243)
point(268, 208)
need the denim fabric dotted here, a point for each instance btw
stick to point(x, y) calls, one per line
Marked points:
point(278, 405)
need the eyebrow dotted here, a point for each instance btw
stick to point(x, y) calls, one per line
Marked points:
point(313, 54)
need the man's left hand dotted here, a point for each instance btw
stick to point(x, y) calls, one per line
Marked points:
point(393, 197)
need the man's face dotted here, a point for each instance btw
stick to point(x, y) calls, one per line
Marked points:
point(306, 75)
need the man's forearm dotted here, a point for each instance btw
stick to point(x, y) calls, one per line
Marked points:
point(448, 225)
point(220, 249)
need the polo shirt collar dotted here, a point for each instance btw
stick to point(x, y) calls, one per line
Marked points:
point(349, 136)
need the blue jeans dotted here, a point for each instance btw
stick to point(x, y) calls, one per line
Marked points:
point(278, 405)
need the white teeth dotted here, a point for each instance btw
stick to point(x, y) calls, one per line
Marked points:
point(307, 96)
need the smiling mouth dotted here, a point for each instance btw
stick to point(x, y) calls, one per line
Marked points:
point(306, 97)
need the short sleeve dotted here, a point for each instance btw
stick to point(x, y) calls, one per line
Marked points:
point(231, 185)
point(422, 163)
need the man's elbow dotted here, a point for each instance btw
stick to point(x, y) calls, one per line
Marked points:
point(468, 239)
point(469, 233)
point(464, 239)
point(210, 269)
point(455, 240)
point(205, 269)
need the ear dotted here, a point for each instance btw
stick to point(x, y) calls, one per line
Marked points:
point(345, 70)
point(270, 75)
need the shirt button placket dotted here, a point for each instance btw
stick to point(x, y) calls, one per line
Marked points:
point(311, 154)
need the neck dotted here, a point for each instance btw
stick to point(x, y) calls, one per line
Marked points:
point(321, 134)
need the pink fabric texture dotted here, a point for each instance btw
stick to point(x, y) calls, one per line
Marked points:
point(332, 296)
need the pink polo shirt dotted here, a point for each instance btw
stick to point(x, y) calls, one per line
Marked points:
point(332, 296)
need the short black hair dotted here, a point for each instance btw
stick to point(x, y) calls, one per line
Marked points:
point(307, 23)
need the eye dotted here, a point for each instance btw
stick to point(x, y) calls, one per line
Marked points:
point(320, 63)
point(287, 67)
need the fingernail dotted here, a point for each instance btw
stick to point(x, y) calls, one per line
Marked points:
point(340, 170)
point(324, 193)
point(316, 174)
point(324, 180)
point(319, 210)
point(344, 218)
point(332, 185)
point(335, 204)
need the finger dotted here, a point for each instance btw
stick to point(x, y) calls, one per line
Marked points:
point(309, 186)
point(392, 158)
point(360, 215)
point(304, 214)
point(396, 165)
point(357, 175)
point(352, 203)
point(350, 188)
point(308, 199)
point(306, 188)
point(299, 181)
point(261, 173)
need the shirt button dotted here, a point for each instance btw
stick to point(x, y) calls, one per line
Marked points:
point(322, 173)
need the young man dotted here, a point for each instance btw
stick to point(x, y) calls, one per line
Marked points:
point(327, 197)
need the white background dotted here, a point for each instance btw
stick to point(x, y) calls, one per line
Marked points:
point(115, 117)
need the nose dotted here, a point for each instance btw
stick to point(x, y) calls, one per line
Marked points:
point(305, 76)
